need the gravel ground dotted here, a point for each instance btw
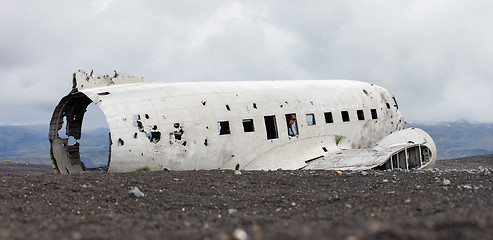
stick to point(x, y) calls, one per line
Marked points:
point(453, 201)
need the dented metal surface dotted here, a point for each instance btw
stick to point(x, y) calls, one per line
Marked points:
point(228, 125)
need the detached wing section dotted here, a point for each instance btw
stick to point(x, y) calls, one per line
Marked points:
point(406, 149)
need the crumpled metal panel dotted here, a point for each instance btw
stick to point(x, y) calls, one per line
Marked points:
point(361, 159)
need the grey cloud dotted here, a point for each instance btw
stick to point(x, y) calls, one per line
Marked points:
point(433, 55)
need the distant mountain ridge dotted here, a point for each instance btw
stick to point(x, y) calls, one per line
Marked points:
point(29, 144)
point(459, 139)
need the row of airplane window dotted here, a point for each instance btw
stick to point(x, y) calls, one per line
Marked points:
point(271, 125)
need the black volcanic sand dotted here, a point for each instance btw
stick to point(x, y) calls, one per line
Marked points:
point(438, 204)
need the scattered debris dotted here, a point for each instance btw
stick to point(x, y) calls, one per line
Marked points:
point(135, 192)
point(364, 173)
point(335, 197)
point(378, 173)
point(240, 234)
point(237, 172)
point(407, 201)
point(446, 182)
point(467, 186)
point(232, 211)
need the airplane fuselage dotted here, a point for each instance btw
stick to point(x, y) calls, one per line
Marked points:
point(228, 125)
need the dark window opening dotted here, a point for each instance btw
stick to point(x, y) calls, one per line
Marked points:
point(227, 107)
point(395, 103)
point(328, 117)
point(223, 127)
point(361, 114)
point(147, 116)
point(310, 119)
point(345, 116)
point(388, 105)
point(402, 160)
point(271, 127)
point(395, 163)
point(374, 114)
point(414, 159)
point(292, 124)
point(120, 142)
point(248, 125)
point(255, 105)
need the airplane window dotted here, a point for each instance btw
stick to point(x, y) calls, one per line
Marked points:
point(388, 105)
point(374, 114)
point(292, 124)
point(248, 125)
point(310, 119)
point(223, 127)
point(271, 127)
point(345, 116)
point(328, 117)
point(395, 103)
point(361, 114)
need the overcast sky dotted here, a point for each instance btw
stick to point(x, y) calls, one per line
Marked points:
point(435, 56)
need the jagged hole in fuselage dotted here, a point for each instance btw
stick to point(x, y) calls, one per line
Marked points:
point(94, 141)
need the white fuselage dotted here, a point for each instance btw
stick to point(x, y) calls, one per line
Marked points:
point(188, 115)
point(340, 124)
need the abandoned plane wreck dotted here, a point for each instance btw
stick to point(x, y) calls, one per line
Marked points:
point(257, 125)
